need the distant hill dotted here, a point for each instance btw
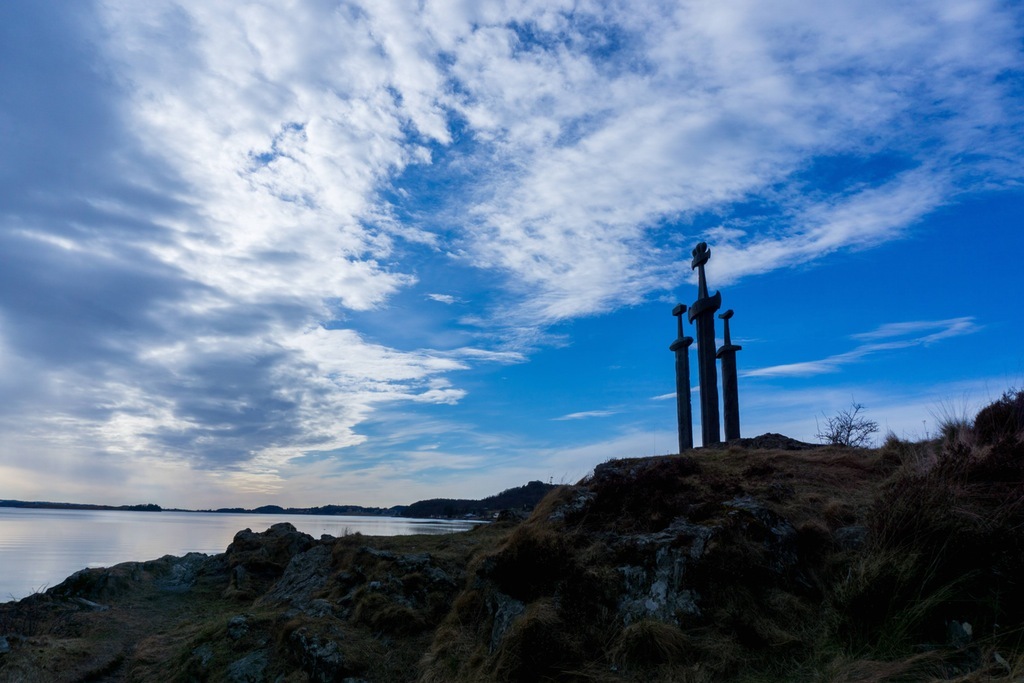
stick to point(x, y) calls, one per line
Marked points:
point(522, 498)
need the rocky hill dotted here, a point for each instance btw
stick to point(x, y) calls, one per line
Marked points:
point(740, 564)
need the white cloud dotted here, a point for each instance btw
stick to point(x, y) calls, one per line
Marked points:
point(585, 151)
point(712, 104)
point(484, 355)
point(245, 179)
point(587, 414)
point(944, 329)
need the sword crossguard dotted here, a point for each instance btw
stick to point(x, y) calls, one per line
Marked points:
point(678, 313)
point(701, 254)
point(728, 340)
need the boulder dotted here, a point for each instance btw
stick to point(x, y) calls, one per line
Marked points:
point(252, 668)
point(320, 655)
point(306, 574)
point(655, 585)
point(256, 560)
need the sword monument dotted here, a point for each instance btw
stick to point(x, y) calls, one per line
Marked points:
point(684, 409)
point(703, 312)
point(730, 389)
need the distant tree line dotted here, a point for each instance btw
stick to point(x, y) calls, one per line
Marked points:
point(518, 498)
point(359, 510)
point(148, 507)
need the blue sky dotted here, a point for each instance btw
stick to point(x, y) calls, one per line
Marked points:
point(319, 252)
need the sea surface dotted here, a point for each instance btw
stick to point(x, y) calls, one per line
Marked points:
point(41, 548)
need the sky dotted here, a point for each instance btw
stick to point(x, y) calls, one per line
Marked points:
point(307, 252)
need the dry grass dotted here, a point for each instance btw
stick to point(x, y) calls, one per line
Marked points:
point(650, 643)
point(941, 524)
point(837, 565)
point(563, 559)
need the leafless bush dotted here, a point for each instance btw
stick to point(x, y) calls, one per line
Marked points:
point(1003, 420)
point(847, 428)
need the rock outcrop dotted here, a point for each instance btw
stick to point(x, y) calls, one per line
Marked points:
point(717, 565)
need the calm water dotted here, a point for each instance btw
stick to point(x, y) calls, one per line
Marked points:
point(41, 548)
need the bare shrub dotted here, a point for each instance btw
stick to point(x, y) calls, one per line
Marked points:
point(848, 428)
point(1002, 420)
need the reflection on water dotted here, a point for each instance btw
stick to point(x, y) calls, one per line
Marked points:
point(41, 548)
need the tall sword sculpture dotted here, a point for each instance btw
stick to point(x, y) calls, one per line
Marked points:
point(684, 411)
point(703, 311)
point(730, 390)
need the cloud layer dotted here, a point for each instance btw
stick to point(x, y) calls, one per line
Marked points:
point(889, 337)
point(199, 200)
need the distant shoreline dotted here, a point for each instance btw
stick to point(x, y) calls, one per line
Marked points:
point(46, 505)
point(339, 510)
point(518, 498)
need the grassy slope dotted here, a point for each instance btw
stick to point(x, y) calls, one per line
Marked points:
point(941, 524)
point(824, 565)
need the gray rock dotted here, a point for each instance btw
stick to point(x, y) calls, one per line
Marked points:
point(238, 627)
point(659, 592)
point(960, 634)
point(656, 588)
point(414, 561)
point(438, 575)
point(240, 579)
point(321, 657)
point(251, 668)
point(681, 532)
point(384, 554)
point(306, 573)
point(775, 441)
point(183, 572)
point(506, 611)
point(851, 537)
point(780, 528)
point(100, 583)
point(89, 605)
point(579, 502)
point(266, 555)
point(319, 608)
point(5, 647)
point(779, 536)
point(202, 656)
